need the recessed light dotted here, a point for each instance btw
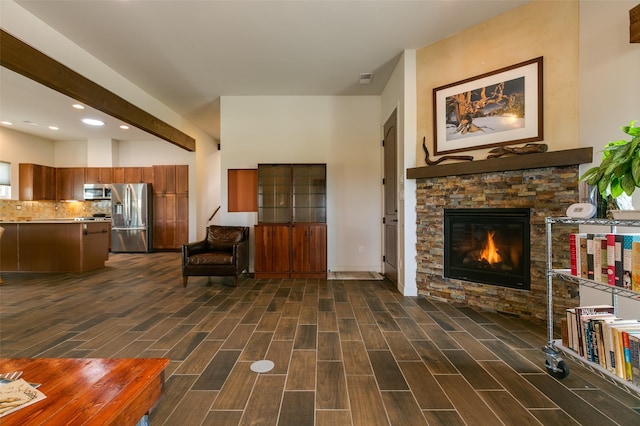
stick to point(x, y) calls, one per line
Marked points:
point(124, 127)
point(54, 128)
point(92, 122)
point(78, 106)
point(7, 123)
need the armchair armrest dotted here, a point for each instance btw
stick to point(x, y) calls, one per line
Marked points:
point(194, 248)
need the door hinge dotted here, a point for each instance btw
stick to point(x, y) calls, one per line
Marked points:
point(384, 220)
point(383, 181)
point(384, 258)
point(382, 142)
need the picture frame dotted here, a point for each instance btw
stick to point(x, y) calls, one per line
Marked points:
point(501, 107)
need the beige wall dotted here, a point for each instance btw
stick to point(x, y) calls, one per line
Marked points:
point(341, 131)
point(539, 28)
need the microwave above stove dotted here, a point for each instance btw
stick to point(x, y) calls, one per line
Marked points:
point(97, 191)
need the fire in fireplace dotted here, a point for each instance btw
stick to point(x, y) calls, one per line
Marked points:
point(489, 246)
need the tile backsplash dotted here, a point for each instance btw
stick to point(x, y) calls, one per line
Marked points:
point(26, 210)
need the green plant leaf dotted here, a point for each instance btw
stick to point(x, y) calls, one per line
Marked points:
point(627, 184)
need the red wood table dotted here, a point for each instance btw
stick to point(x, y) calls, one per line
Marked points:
point(88, 391)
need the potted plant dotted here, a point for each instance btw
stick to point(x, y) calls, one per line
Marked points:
point(619, 171)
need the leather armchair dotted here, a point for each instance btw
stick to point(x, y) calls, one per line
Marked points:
point(223, 252)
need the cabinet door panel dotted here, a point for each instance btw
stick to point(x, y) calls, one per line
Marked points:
point(300, 245)
point(317, 248)
point(262, 249)
point(272, 252)
point(182, 179)
point(281, 249)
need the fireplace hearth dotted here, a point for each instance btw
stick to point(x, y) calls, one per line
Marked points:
point(488, 245)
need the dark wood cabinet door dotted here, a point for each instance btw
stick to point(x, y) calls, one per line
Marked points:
point(182, 179)
point(182, 220)
point(263, 242)
point(309, 248)
point(272, 249)
point(300, 246)
point(318, 248)
point(98, 175)
point(70, 183)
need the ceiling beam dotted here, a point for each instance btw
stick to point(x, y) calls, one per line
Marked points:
point(31, 63)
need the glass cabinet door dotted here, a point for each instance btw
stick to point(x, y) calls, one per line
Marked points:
point(309, 193)
point(274, 193)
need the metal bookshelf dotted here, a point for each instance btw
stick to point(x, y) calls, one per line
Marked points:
point(554, 363)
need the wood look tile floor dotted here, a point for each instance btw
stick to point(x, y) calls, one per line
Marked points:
point(344, 352)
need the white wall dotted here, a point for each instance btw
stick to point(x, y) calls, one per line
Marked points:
point(609, 94)
point(17, 147)
point(400, 94)
point(344, 133)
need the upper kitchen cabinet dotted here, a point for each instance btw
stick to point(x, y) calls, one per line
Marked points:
point(70, 183)
point(98, 175)
point(171, 179)
point(132, 175)
point(37, 182)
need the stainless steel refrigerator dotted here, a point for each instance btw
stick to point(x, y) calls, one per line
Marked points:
point(131, 217)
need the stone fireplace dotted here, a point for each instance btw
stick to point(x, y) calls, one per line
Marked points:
point(545, 185)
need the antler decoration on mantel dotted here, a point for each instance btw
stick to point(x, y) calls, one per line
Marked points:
point(530, 148)
point(441, 159)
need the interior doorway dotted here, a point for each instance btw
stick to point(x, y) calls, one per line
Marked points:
point(390, 219)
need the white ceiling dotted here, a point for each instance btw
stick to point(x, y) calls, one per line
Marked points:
point(188, 53)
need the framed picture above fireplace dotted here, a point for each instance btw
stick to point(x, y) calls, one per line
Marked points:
point(501, 107)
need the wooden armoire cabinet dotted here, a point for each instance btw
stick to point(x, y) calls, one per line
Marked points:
point(291, 235)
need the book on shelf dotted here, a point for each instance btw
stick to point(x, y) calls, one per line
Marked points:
point(583, 314)
point(635, 266)
point(17, 394)
point(634, 343)
point(614, 259)
point(606, 258)
point(622, 367)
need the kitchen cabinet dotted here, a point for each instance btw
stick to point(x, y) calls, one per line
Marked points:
point(171, 179)
point(171, 206)
point(132, 175)
point(291, 235)
point(170, 221)
point(56, 246)
point(37, 182)
point(70, 183)
point(98, 175)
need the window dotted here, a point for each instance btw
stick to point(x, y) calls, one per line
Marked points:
point(5, 179)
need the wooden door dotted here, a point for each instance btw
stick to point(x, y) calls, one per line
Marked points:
point(390, 220)
point(309, 250)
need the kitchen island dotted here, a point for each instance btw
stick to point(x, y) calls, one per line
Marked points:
point(53, 245)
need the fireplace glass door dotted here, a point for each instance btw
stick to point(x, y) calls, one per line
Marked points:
point(489, 246)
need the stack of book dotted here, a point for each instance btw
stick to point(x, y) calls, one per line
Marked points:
point(596, 334)
point(612, 259)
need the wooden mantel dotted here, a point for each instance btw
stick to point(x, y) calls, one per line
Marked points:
point(567, 157)
point(634, 24)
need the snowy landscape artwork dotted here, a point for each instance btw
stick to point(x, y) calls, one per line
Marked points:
point(503, 107)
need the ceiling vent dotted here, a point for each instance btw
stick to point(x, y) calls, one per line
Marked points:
point(365, 77)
